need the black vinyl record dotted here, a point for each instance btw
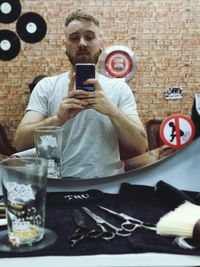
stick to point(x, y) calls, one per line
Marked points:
point(9, 10)
point(31, 27)
point(9, 45)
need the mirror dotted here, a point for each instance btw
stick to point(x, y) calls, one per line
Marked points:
point(166, 48)
point(129, 164)
point(137, 163)
point(148, 158)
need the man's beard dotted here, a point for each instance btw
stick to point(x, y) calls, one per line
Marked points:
point(83, 56)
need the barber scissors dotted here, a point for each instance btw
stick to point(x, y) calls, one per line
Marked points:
point(82, 231)
point(130, 224)
point(107, 235)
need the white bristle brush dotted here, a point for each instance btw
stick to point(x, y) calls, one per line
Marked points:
point(184, 221)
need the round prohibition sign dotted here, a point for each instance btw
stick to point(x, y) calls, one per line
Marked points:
point(177, 131)
point(118, 61)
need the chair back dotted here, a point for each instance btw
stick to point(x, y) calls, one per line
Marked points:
point(153, 133)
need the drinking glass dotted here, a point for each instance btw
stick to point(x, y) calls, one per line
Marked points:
point(48, 143)
point(24, 191)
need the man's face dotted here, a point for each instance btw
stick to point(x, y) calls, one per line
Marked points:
point(83, 42)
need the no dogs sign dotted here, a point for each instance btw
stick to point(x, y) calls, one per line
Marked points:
point(177, 131)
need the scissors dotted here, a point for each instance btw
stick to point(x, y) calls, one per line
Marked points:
point(107, 235)
point(82, 231)
point(130, 224)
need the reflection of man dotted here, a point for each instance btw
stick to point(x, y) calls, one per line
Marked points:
point(92, 121)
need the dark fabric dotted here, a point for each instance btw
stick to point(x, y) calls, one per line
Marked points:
point(135, 200)
point(196, 119)
point(171, 194)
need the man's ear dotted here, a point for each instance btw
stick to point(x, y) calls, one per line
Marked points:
point(101, 43)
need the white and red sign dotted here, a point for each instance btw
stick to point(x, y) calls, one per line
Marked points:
point(177, 131)
point(118, 62)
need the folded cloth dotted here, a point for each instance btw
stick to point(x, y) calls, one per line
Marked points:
point(26, 153)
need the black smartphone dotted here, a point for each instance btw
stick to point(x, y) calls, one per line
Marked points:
point(84, 71)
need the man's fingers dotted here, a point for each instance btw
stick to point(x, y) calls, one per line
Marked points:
point(70, 102)
point(72, 82)
point(91, 100)
point(79, 102)
point(75, 106)
point(92, 94)
point(78, 94)
point(93, 82)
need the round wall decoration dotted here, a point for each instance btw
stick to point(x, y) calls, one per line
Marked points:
point(118, 62)
point(9, 45)
point(9, 10)
point(31, 27)
point(177, 131)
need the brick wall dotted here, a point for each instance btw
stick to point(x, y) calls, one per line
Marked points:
point(165, 36)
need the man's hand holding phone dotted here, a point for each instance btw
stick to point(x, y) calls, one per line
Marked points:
point(86, 81)
point(73, 103)
point(87, 93)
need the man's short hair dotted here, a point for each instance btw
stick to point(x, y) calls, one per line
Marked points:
point(80, 14)
point(35, 81)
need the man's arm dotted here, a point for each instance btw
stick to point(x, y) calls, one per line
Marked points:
point(24, 136)
point(130, 131)
point(69, 107)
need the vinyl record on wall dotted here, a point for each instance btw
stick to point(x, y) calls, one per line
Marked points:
point(9, 10)
point(31, 27)
point(9, 45)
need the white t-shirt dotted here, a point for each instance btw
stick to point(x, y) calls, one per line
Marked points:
point(90, 141)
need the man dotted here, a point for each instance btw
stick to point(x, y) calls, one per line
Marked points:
point(92, 121)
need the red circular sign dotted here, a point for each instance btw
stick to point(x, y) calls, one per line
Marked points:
point(177, 131)
point(118, 64)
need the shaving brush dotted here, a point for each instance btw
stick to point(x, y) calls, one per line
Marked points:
point(184, 221)
point(184, 218)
